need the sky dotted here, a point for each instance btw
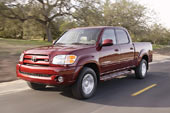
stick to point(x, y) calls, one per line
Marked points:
point(161, 8)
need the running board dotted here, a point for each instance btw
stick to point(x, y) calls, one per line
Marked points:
point(114, 75)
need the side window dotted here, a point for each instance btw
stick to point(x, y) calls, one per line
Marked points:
point(122, 37)
point(109, 34)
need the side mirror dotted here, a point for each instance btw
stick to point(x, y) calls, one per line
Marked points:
point(53, 42)
point(107, 42)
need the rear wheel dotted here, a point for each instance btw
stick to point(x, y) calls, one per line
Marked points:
point(36, 86)
point(141, 70)
point(85, 85)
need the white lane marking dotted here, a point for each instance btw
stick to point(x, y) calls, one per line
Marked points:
point(13, 91)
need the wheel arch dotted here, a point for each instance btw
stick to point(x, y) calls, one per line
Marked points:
point(91, 65)
point(143, 55)
point(95, 67)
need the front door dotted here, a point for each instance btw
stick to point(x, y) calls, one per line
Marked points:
point(109, 55)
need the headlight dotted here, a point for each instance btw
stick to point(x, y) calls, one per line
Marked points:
point(21, 57)
point(64, 59)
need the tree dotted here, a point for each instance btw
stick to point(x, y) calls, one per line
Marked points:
point(45, 11)
point(50, 18)
point(125, 13)
point(128, 14)
point(10, 29)
point(158, 34)
point(15, 10)
point(89, 13)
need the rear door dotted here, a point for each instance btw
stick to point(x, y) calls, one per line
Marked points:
point(109, 55)
point(126, 48)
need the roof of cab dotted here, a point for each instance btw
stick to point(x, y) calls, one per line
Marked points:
point(99, 27)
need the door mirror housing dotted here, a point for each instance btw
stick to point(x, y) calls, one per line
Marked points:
point(107, 42)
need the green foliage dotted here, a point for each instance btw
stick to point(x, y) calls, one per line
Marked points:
point(128, 14)
point(44, 19)
point(88, 14)
point(33, 30)
point(155, 46)
point(10, 29)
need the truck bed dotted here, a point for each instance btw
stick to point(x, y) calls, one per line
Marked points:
point(143, 47)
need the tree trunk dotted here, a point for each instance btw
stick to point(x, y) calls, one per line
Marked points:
point(44, 36)
point(22, 30)
point(22, 34)
point(48, 32)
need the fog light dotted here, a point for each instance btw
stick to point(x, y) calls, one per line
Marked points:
point(60, 79)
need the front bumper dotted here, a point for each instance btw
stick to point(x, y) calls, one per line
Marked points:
point(47, 75)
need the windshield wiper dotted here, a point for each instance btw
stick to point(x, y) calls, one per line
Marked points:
point(80, 43)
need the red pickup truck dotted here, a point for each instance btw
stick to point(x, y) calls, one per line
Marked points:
point(84, 56)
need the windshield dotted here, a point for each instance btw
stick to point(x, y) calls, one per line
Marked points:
point(79, 36)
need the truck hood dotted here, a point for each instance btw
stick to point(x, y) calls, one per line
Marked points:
point(56, 49)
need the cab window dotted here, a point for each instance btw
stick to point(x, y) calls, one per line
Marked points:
point(122, 37)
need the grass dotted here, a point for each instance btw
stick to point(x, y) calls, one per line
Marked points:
point(156, 47)
point(12, 47)
point(41, 43)
point(23, 42)
point(10, 50)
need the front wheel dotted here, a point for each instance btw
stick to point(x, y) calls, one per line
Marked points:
point(36, 86)
point(85, 85)
point(141, 70)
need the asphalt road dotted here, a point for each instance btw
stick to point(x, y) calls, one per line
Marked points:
point(114, 96)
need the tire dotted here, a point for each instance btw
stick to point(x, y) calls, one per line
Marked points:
point(141, 70)
point(86, 84)
point(36, 86)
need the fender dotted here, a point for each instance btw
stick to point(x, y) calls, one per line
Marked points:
point(141, 54)
point(82, 61)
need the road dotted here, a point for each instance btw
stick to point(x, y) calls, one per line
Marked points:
point(112, 96)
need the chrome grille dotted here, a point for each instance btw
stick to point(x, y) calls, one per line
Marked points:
point(36, 59)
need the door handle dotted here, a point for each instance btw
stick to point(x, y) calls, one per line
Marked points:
point(131, 48)
point(116, 50)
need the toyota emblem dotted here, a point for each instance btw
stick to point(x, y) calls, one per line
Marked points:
point(34, 59)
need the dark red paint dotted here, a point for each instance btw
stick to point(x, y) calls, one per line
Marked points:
point(107, 42)
point(107, 59)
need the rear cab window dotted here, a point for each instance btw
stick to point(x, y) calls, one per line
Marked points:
point(122, 37)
